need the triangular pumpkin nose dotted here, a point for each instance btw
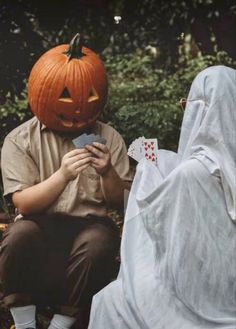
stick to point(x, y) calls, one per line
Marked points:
point(65, 96)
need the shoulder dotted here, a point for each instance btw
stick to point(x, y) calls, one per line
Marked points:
point(24, 129)
point(109, 133)
point(23, 136)
point(106, 129)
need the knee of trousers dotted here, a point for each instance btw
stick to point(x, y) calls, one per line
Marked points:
point(97, 245)
point(20, 235)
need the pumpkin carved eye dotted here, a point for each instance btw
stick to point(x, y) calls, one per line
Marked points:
point(65, 96)
point(93, 96)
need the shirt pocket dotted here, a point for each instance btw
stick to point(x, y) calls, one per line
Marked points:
point(90, 187)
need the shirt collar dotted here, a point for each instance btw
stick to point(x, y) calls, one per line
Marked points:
point(43, 127)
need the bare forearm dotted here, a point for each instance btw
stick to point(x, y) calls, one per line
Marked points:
point(40, 196)
point(113, 188)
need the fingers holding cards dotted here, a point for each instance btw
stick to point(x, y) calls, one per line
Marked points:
point(75, 162)
point(99, 156)
point(96, 146)
point(95, 150)
point(101, 161)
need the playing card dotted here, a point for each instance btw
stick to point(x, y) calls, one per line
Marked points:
point(85, 139)
point(144, 148)
point(136, 150)
point(150, 149)
point(80, 141)
point(90, 139)
point(100, 139)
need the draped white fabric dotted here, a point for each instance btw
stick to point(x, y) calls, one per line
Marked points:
point(178, 253)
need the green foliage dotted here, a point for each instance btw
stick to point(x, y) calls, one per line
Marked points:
point(13, 112)
point(187, 10)
point(145, 88)
point(144, 100)
point(20, 46)
point(29, 28)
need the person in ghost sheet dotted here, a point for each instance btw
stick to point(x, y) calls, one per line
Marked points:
point(63, 249)
point(178, 264)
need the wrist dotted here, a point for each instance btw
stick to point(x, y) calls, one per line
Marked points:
point(61, 177)
point(108, 172)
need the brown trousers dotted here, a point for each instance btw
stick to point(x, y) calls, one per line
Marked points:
point(58, 260)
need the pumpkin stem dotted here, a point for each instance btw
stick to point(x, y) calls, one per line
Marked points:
point(75, 48)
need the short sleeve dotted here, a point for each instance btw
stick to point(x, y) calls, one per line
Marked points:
point(120, 159)
point(19, 170)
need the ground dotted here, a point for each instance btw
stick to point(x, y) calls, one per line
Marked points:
point(6, 320)
point(44, 317)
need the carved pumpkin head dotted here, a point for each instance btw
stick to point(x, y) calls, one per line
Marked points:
point(67, 87)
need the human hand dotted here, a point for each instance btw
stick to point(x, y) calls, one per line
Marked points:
point(102, 162)
point(74, 162)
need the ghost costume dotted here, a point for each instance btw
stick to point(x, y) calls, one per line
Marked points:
point(178, 253)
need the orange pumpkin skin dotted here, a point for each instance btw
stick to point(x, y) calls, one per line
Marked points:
point(68, 93)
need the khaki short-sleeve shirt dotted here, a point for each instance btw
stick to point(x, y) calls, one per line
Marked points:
point(31, 153)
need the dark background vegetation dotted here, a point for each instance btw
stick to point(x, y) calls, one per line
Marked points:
point(152, 50)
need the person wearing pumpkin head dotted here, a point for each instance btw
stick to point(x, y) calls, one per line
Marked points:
point(63, 248)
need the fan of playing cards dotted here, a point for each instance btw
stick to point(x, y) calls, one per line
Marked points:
point(85, 139)
point(144, 148)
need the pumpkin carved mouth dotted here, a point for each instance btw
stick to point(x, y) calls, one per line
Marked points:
point(74, 122)
point(68, 123)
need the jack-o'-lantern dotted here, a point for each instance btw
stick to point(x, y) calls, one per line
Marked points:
point(67, 87)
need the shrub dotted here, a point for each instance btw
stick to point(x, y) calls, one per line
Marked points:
point(12, 113)
point(144, 100)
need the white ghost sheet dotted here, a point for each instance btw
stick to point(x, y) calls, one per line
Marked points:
point(178, 253)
